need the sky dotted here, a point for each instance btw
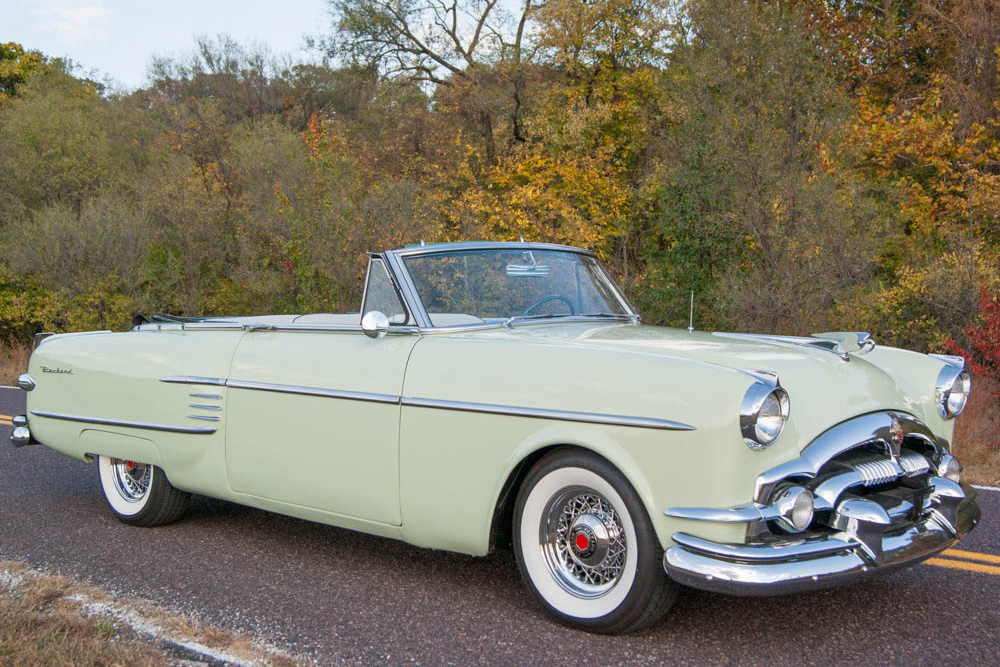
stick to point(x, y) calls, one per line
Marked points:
point(117, 39)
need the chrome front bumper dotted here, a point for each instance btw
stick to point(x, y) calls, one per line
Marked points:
point(778, 568)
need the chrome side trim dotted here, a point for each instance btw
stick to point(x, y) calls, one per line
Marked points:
point(540, 413)
point(461, 406)
point(199, 430)
point(214, 397)
point(313, 391)
point(194, 379)
point(205, 407)
point(204, 418)
point(340, 328)
point(461, 328)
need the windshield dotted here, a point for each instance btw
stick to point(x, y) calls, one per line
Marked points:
point(476, 286)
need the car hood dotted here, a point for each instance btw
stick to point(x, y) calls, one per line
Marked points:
point(824, 388)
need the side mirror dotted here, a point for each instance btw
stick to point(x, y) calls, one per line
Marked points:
point(375, 324)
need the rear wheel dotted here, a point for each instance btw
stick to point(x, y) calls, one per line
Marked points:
point(586, 548)
point(139, 493)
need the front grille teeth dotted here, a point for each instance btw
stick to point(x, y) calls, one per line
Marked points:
point(878, 471)
point(914, 464)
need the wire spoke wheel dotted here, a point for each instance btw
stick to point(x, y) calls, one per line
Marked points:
point(139, 493)
point(131, 479)
point(585, 545)
point(584, 542)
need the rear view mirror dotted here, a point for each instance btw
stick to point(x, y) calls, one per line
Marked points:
point(531, 270)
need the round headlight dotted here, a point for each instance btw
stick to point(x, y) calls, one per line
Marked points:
point(950, 468)
point(953, 385)
point(795, 508)
point(764, 412)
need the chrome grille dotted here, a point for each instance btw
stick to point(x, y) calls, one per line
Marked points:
point(914, 463)
point(876, 471)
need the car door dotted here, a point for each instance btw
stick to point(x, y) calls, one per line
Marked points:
point(313, 412)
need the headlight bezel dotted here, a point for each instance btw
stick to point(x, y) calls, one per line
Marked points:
point(953, 374)
point(766, 386)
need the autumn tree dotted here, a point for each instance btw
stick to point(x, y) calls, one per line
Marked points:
point(760, 216)
point(474, 48)
point(16, 67)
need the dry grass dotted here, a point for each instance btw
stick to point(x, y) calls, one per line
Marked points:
point(41, 625)
point(977, 435)
point(13, 362)
point(51, 620)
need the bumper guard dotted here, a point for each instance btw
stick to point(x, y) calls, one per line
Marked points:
point(21, 435)
point(793, 566)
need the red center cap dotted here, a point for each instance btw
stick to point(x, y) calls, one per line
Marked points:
point(582, 542)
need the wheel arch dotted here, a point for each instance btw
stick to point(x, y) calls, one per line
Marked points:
point(501, 524)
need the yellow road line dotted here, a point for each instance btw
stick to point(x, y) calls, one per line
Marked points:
point(6, 423)
point(962, 565)
point(972, 555)
point(6, 417)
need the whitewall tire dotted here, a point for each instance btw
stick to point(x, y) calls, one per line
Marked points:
point(139, 493)
point(585, 546)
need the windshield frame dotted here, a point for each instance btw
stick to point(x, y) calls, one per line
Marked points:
point(397, 266)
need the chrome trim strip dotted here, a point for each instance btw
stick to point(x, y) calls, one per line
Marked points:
point(407, 290)
point(190, 326)
point(784, 550)
point(204, 418)
point(512, 322)
point(484, 245)
point(822, 344)
point(205, 407)
point(313, 391)
point(735, 515)
point(200, 430)
point(462, 328)
point(540, 413)
point(338, 328)
point(194, 379)
point(411, 299)
point(216, 397)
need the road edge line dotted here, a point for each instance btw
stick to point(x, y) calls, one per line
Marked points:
point(985, 488)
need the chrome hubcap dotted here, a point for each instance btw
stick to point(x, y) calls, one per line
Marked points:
point(131, 479)
point(583, 542)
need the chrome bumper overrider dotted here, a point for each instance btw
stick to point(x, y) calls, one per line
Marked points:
point(21, 436)
point(793, 565)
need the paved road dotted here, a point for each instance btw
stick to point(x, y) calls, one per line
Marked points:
point(346, 597)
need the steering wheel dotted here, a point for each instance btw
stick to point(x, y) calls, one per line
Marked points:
point(546, 299)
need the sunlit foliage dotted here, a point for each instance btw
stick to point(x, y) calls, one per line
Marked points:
point(800, 165)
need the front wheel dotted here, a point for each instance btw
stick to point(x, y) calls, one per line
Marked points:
point(139, 493)
point(586, 548)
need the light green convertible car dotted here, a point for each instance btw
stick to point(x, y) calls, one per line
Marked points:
point(496, 392)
